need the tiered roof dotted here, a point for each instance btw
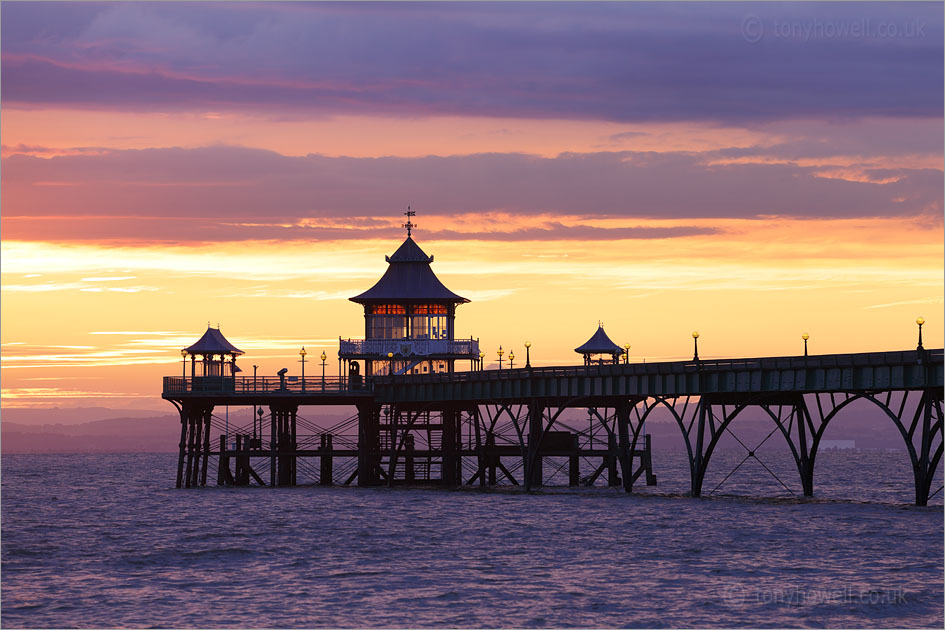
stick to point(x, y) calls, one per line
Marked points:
point(408, 278)
point(599, 343)
point(213, 342)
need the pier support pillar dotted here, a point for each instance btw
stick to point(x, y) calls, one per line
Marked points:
point(282, 445)
point(805, 464)
point(924, 468)
point(452, 466)
point(696, 465)
point(574, 462)
point(273, 442)
point(533, 467)
point(369, 455)
point(648, 460)
point(325, 461)
point(611, 460)
point(284, 423)
point(492, 459)
point(623, 446)
point(293, 446)
point(224, 462)
point(195, 441)
point(184, 413)
point(206, 446)
point(409, 476)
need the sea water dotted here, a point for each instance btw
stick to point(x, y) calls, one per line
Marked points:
point(106, 541)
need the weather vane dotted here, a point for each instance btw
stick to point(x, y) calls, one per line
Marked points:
point(409, 225)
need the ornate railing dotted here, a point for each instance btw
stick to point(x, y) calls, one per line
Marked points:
point(409, 348)
point(263, 385)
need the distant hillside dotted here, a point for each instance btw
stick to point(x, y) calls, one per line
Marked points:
point(158, 433)
point(73, 415)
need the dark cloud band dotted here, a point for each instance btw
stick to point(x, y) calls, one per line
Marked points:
point(730, 63)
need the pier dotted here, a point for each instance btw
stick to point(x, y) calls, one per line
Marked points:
point(488, 419)
point(418, 419)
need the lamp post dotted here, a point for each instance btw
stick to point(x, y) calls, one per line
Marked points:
point(920, 321)
point(695, 345)
point(390, 359)
point(512, 359)
point(302, 354)
point(528, 359)
point(500, 353)
point(323, 358)
point(183, 357)
point(805, 337)
point(626, 356)
point(481, 355)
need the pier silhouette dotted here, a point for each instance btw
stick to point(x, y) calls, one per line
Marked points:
point(420, 420)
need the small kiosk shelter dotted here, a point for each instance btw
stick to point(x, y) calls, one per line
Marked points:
point(599, 345)
point(217, 361)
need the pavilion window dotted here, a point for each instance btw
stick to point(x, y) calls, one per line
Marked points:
point(429, 327)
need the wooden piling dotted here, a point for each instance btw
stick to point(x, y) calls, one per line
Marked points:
point(574, 463)
point(408, 458)
point(648, 461)
point(325, 457)
point(183, 445)
point(206, 446)
point(224, 463)
point(191, 430)
point(611, 460)
point(273, 479)
point(492, 458)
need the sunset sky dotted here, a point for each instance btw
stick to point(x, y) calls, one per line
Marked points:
point(752, 171)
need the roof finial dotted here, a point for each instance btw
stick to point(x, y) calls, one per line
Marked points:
point(409, 225)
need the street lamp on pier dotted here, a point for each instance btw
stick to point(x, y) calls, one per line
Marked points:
point(481, 356)
point(695, 345)
point(183, 356)
point(920, 321)
point(302, 354)
point(528, 359)
point(626, 355)
point(323, 358)
point(500, 353)
point(512, 359)
point(390, 359)
point(805, 337)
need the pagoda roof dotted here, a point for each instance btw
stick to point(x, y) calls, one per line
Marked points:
point(599, 343)
point(213, 342)
point(408, 278)
point(409, 251)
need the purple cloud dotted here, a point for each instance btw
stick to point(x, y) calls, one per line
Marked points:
point(238, 186)
point(730, 63)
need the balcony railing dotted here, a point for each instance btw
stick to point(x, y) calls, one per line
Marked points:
point(263, 384)
point(409, 348)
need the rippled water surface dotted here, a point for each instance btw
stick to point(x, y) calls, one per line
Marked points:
point(103, 540)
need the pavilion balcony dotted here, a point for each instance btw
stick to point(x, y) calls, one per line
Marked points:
point(409, 348)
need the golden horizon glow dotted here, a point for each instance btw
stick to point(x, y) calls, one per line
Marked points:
point(881, 277)
point(111, 315)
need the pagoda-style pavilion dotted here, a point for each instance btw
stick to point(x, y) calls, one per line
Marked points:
point(409, 318)
point(217, 360)
point(599, 345)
